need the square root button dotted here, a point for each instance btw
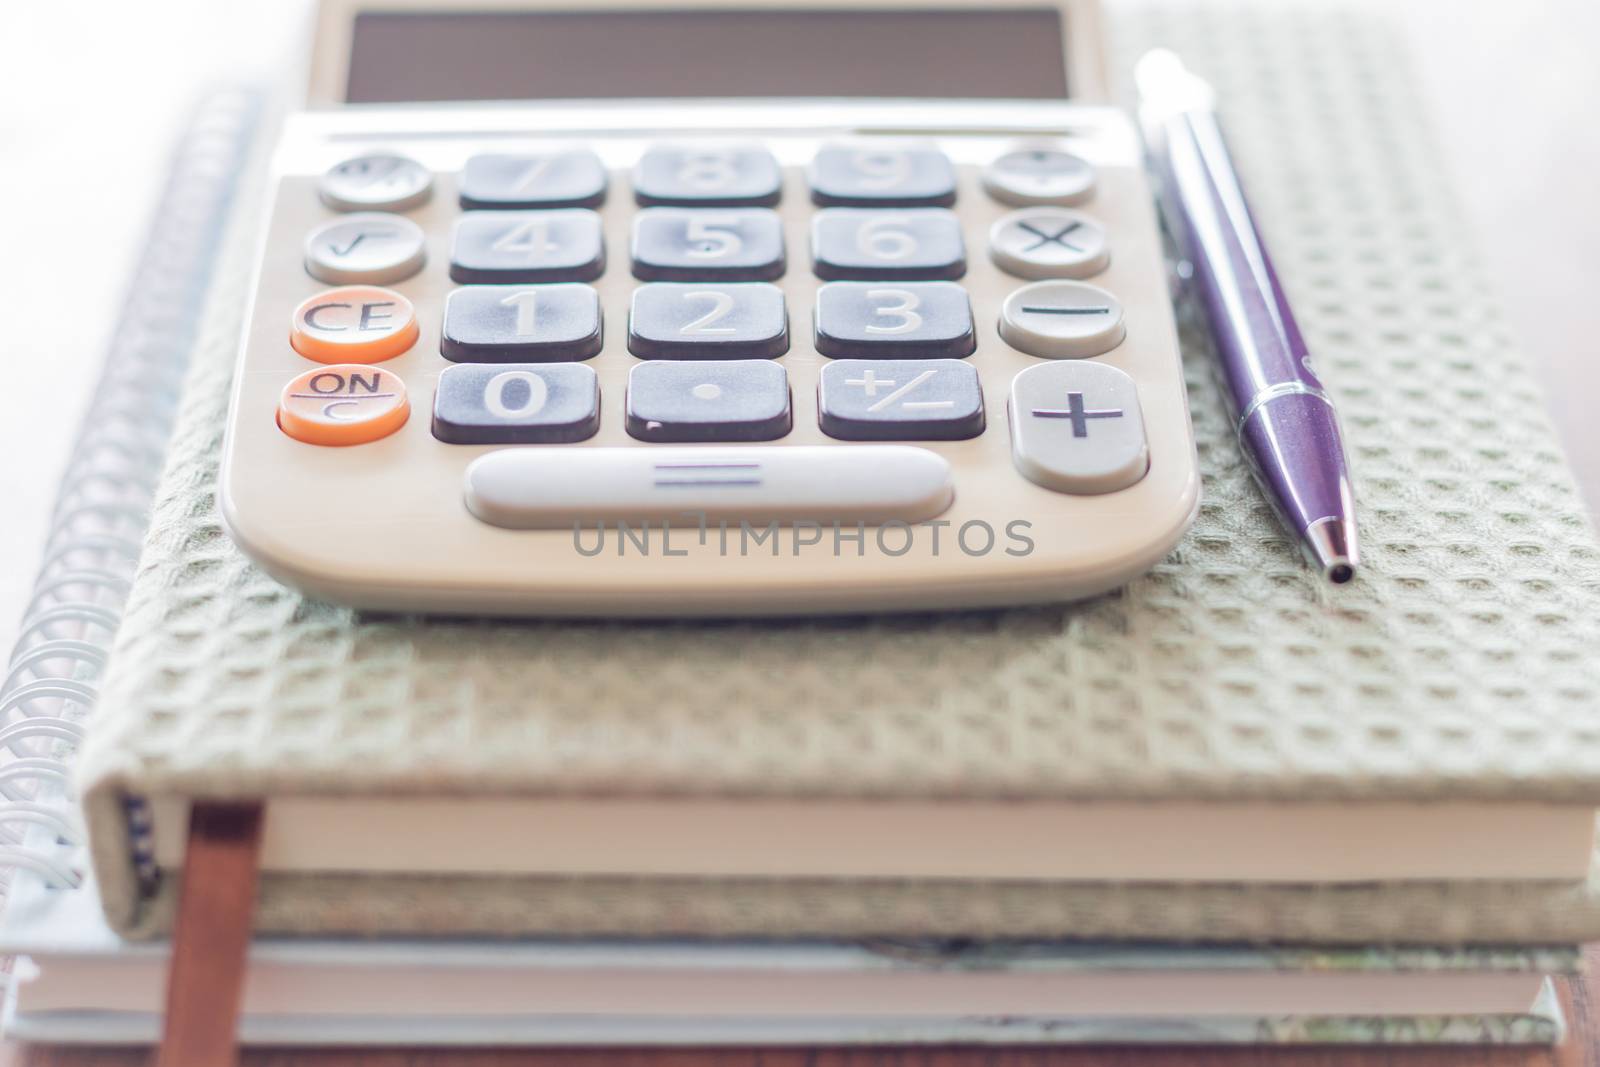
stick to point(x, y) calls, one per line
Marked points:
point(1076, 428)
point(900, 400)
point(721, 400)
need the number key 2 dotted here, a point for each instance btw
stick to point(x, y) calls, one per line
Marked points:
point(700, 321)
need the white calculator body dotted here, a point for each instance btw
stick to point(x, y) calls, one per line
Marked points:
point(647, 309)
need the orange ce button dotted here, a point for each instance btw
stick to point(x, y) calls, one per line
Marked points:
point(353, 324)
point(347, 404)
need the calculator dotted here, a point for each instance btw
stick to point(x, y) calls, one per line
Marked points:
point(705, 308)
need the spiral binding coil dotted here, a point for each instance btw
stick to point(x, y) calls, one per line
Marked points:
point(102, 507)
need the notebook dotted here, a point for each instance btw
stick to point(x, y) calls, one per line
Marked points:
point(76, 982)
point(406, 764)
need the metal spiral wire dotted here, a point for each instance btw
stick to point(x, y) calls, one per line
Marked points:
point(102, 507)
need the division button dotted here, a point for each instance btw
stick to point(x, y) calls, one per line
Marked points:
point(707, 176)
point(527, 246)
point(379, 181)
point(1076, 428)
point(573, 178)
point(353, 324)
point(346, 404)
point(714, 400)
point(889, 320)
point(1062, 320)
point(551, 489)
point(371, 248)
point(518, 403)
point(701, 321)
point(1039, 176)
point(865, 174)
point(1049, 242)
point(521, 323)
point(900, 400)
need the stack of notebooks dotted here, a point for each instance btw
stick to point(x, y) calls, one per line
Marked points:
point(1226, 803)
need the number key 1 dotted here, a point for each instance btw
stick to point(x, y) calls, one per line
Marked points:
point(516, 323)
point(894, 320)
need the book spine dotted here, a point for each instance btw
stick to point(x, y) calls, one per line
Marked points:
point(102, 507)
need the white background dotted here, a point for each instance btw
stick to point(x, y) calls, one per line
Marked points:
point(92, 93)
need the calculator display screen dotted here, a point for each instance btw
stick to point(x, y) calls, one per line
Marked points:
point(531, 55)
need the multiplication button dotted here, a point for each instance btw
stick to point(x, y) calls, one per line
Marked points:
point(370, 247)
point(478, 404)
point(1046, 242)
point(1037, 176)
point(1076, 428)
point(1062, 320)
point(353, 324)
point(378, 181)
point(518, 323)
point(900, 400)
point(347, 404)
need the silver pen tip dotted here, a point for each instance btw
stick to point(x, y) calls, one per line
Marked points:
point(1167, 87)
point(1331, 544)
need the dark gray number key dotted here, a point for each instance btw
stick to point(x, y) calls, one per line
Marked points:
point(547, 180)
point(516, 404)
point(882, 175)
point(700, 321)
point(904, 320)
point(721, 400)
point(689, 244)
point(723, 175)
point(527, 246)
point(900, 400)
point(520, 323)
point(920, 244)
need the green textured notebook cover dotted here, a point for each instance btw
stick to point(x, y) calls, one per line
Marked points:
point(1461, 665)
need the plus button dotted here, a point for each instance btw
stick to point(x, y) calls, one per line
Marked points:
point(1079, 414)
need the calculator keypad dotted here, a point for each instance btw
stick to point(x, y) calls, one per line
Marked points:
point(707, 176)
point(519, 403)
point(899, 320)
point(701, 321)
point(900, 400)
point(573, 178)
point(371, 248)
point(907, 245)
point(729, 244)
point(733, 400)
point(874, 175)
point(521, 323)
point(707, 322)
point(527, 246)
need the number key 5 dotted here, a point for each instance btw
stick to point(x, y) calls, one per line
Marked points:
point(726, 244)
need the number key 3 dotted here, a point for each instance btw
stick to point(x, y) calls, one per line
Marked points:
point(905, 320)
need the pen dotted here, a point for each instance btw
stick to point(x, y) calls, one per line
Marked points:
point(1287, 427)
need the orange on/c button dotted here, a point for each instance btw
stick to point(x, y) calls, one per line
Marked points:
point(353, 324)
point(347, 404)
